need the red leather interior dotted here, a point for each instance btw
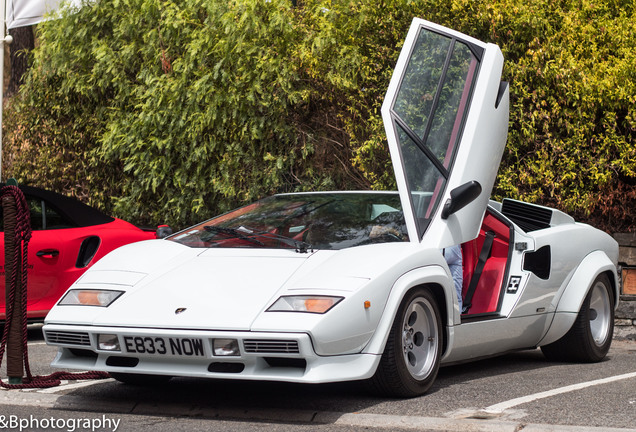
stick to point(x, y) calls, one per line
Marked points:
point(487, 293)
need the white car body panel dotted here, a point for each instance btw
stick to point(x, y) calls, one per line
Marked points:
point(319, 370)
point(571, 296)
point(370, 251)
point(432, 274)
point(487, 338)
point(247, 288)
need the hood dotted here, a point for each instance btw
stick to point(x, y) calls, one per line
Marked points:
point(226, 289)
point(216, 289)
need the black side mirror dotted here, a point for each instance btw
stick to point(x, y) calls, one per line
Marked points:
point(163, 231)
point(460, 197)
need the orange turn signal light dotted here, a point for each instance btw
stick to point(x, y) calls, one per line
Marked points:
point(319, 305)
point(90, 298)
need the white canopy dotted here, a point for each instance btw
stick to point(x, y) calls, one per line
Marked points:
point(20, 13)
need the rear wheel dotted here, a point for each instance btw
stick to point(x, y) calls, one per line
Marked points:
point(140, 379)
point(410, 361)
point(590, 337)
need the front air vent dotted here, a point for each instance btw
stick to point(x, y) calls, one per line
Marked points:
point(77, 352)
point(119, 361)
point(220, 367)
point(286, 362)
point(529, 217)
point(265, 346)
point(68, 338)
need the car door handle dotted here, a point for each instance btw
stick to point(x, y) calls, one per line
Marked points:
point(48, 253)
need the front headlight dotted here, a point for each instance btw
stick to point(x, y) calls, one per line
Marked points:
point(304, 303)
point(90, 297)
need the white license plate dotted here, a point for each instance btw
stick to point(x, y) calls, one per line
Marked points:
point(192, 347)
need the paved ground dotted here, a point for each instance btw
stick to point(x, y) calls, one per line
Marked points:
point(520, 391)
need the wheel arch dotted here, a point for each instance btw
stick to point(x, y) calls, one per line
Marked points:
point(440, 298)
point(589, 269)
point(571, 300)
point(433, 278)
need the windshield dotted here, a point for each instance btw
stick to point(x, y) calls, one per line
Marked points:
point(304, 222)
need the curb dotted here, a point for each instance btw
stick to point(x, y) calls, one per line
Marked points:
point(355, 420)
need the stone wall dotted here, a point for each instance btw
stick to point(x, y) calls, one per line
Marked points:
point(625, 323)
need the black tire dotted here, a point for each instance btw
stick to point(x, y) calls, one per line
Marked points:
point(411, 357)
point(140, 379)
point(590, 337)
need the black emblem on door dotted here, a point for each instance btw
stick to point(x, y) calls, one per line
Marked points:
point(513, 284)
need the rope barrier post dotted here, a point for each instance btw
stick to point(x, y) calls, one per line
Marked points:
point(15, 355)
point(16, 212)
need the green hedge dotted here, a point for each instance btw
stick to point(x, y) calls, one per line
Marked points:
point(173, 111)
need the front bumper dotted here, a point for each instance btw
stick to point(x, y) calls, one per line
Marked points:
point(280, 356)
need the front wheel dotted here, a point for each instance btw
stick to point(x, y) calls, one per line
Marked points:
point(410, 360)
point(590, 337)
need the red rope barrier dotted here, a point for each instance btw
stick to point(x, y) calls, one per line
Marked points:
point(22, 237)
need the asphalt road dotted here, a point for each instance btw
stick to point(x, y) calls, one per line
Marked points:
point(519, 391)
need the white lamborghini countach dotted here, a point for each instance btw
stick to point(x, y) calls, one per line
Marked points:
point(339, 286)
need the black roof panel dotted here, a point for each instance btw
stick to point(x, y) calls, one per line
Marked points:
point(79, 213)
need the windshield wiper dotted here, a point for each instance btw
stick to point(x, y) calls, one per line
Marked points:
point(234, 232)
point(299, 245)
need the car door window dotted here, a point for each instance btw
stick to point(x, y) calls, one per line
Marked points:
point(44, 216)
point(446, 118)
point(36, 209)
point(428, 111)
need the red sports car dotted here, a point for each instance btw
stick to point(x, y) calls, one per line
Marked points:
point(67, 238)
